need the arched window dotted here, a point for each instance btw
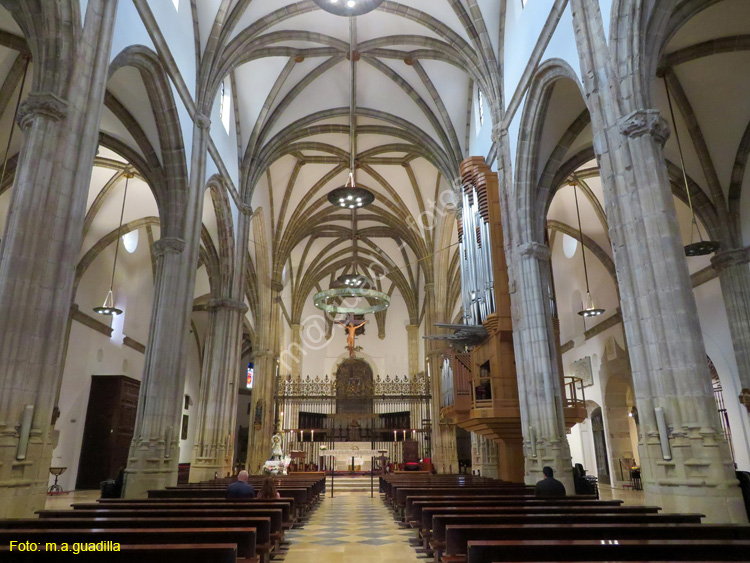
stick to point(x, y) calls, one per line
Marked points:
point(224, 106)
point(480, 105)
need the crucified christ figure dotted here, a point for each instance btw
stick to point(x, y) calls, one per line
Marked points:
point(351, 328)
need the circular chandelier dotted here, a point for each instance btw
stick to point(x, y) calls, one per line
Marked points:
point(351, 293)
point(332, 301)
point(348, 7)
point(351, 197)
point(351, 287)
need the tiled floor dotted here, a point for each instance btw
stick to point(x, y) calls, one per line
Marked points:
point(350, 527)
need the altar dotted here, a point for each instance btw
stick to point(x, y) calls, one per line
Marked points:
point(362, 453)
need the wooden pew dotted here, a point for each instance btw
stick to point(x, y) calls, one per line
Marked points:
point(264, 539)
point(243, 538)
point(274, 517)
point(428, 513)
point(184, 553)
point(458, 537)
point(302, 499)
point(245, 504)
point(600, 550)
point(414, 505)
point(400, 494)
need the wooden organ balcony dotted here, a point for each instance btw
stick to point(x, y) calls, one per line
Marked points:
point(479, 385)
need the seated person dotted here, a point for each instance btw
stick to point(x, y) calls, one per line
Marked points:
point(268, 490)
point(240, 488)
point(549, 486)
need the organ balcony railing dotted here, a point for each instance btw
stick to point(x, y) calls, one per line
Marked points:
point(574, 401)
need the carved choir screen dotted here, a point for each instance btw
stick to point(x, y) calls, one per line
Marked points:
point(354, 389)
point(382, 413)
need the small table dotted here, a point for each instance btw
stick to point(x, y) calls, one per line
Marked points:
point(55, 488)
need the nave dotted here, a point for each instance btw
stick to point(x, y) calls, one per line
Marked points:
point(350, 527)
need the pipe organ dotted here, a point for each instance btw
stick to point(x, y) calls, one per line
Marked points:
point(475, 251)
point(479, 388)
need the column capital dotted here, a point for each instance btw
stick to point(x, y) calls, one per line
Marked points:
point(263, 354)
point(229, 304)
point(498, 132)
point(202, 121)
point(41, 104)
point(645, 122)
point(168, 245)
point(536, 250)
point(729, 258)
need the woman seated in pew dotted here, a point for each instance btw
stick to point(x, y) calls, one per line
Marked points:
point(268, 490)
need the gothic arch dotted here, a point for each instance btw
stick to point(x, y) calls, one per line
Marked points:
point(531, 221)
point(167, 121)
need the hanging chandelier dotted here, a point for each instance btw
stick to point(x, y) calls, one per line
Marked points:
point(348, 7)
point(352, 292)
point(589, 310)
point(108, 307)
point(700, 247)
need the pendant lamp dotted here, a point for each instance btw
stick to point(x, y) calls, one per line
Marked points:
point(353, 285)
point(108, 307)
point(701, 247)
point(589, 310)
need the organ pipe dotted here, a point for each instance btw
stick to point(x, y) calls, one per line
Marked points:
point(475, 248)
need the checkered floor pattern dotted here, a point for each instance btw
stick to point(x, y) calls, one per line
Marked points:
point(350, 525)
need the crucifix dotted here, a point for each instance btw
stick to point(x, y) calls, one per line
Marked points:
point(352, 329)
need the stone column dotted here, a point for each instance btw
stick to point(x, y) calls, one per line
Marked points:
point(214, 440)
point(734, 276)
point(39, 251)
point(155, 449)
point(262, 413)
point(412, 334)
point(662, 328)
point(540, 396)
point(444, 449)
point(292, 360)
point(694, 472)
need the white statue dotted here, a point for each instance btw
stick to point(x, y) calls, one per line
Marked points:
point(276, 452)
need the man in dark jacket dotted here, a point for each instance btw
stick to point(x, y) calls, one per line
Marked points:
point(241, 488)
point(549, 486)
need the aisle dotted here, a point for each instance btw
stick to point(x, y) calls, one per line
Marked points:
point(350, 527)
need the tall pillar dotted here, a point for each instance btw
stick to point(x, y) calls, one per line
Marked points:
point(293, 357)
point(155, 449)
point(540, 396)
point(443, 444)
point(262, 415)
point(39, 251)
point(214, 440)
point(734, 276)
point(412, 335)
point(687, 466)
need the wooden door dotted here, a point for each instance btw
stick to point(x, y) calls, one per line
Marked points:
point(110, 421)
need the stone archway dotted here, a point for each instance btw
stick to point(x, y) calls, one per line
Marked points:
point(619, 400)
